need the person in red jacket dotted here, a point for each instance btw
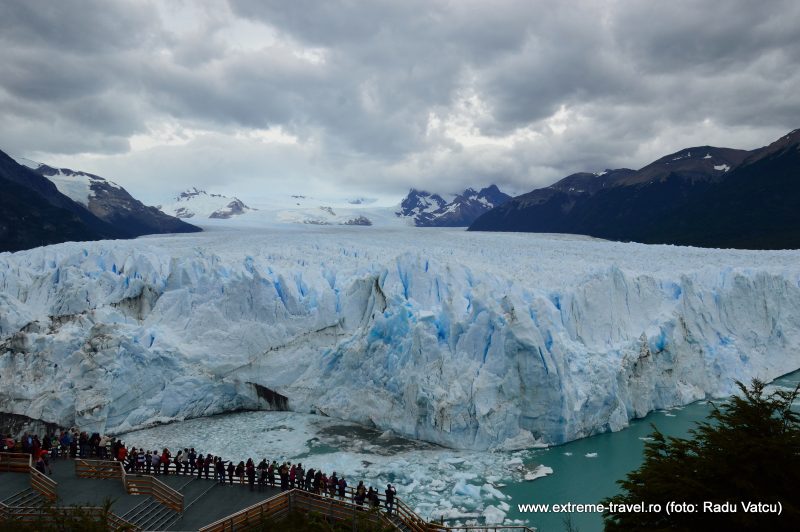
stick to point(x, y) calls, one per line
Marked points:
point(165, 456)
point(122, 454)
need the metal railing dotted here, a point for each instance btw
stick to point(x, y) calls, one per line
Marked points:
point(252, 515)
point(108, 469)
point(23, 463)
point(296, 499)
point(134, 484)
point(340, 508)
point(48, 489)
point(149, 485)
point(46, 486)
point(15, 462)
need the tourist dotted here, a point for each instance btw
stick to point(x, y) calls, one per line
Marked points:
point(192, 460)
point(390, 494)
point(317, 481)
point(185, 461)
point(298, 476)
point(39, 465)
point(46, 469)
point(102, 447)
point(231, 470)
point(361, 493)
point(73, 445)
point(219, 467)
point(284, 474)
point(94, 444)
point(156, 459)
point(240, 472)
point(83, 445)
point(165, 456)
point(137, 460)
point(309, 479)
point(333, 481)
point(372, 497)
point(250, 471)
point(178, 461)
point(139, 465)
point(46, 444)
point(207, 465)
point(262, 474)
point(122, 454)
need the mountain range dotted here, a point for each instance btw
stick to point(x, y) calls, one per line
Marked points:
point(425, 209)
point(701, 196)
point(196, 203)
point(42, 205)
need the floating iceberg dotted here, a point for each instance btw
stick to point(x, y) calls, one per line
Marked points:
point(541, 471)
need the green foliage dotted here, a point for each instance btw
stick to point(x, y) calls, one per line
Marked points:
point(55, 519)
point(749, 451)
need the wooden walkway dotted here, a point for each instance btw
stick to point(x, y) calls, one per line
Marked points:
point(182, 502)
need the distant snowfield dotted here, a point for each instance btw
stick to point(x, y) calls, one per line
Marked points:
point(292, 209)
point(468, 340)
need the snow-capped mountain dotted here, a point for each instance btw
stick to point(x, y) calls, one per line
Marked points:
point(469, 340)
point(419, 202)
point(109, 201)
point(700, 196)
point(46, 205)
point(34, 213)
point(80, 186)
point(431, 210)
point(195, 203)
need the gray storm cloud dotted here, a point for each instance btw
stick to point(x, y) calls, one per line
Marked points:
point(378, 96)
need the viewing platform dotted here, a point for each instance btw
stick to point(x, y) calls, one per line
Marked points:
point(181, 501)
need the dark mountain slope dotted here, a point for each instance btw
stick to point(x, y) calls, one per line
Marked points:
point(756, 207)
point(34, 212)
point(547, 210)
point(28, 220)
point(702, 196)
point(114, 205)
point(25, 177)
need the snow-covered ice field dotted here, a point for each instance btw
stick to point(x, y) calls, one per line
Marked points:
point(468, 340)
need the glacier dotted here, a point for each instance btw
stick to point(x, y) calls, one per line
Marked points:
point(468, 340)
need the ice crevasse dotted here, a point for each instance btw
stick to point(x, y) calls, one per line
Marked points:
point(479, 344)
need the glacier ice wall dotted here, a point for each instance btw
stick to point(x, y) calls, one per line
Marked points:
point(468, 340)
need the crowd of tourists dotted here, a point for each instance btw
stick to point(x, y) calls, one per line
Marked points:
point(75, 444)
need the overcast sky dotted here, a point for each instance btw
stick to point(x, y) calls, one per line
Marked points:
point(255, 97)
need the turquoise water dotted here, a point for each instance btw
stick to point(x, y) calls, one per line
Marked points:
point(579, 479)
point(436, 481)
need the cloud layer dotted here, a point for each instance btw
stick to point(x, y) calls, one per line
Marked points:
point(252, 96)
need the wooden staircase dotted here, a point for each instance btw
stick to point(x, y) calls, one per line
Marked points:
point(151, 515)
point(29, 498)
